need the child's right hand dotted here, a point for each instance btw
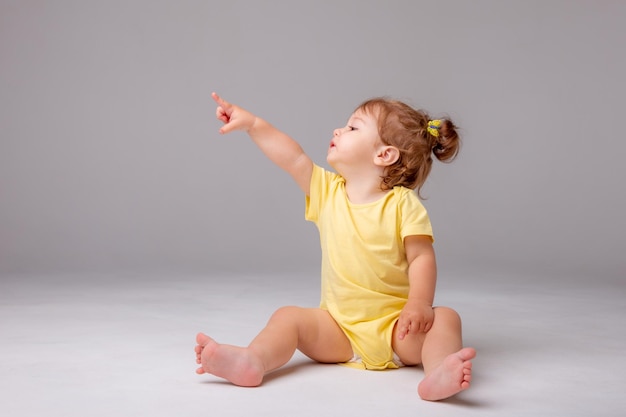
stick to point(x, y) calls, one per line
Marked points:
point(234, 117)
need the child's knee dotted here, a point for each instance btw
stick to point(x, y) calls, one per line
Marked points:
point(448, 316)
point(285, 313)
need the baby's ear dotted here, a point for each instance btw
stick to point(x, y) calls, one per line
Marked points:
point(386, 155)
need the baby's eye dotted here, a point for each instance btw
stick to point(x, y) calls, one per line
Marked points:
point(351, 127)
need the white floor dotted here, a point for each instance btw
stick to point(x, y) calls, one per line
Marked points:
point(123, 346)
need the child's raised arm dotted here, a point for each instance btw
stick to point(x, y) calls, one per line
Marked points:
point(276, 145)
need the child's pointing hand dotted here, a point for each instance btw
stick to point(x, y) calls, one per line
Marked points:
point(233, 117)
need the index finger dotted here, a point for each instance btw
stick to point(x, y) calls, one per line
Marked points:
point(403, 329)
point(220, 101)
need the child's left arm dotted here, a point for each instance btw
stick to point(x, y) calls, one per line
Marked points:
point(417, 315)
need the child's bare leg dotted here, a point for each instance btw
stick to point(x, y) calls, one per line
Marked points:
point(313, 331)
point(446, 363)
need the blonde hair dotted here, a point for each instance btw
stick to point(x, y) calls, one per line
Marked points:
point(405, 128)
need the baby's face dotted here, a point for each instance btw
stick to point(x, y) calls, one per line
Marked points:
point(356, 142)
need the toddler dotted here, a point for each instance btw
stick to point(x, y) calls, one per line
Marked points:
point(378, 263)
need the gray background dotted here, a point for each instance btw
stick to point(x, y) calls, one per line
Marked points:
point(128, 224)
point(110, 158)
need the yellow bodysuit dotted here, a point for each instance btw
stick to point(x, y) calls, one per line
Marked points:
point(364, 267)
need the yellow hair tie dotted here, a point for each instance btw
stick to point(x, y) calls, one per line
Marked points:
point(434, 126)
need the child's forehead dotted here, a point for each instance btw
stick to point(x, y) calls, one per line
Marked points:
point(363, 115)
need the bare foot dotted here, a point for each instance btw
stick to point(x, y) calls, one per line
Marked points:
point(236, 364)
point(452, 376)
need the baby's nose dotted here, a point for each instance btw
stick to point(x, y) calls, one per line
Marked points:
point(337, 132)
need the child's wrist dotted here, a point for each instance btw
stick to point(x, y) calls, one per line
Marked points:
point(420, 301)
point(254, 125)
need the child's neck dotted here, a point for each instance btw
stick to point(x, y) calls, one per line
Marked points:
point(364, 190)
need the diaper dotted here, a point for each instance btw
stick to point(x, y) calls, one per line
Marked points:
point(356, 359)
